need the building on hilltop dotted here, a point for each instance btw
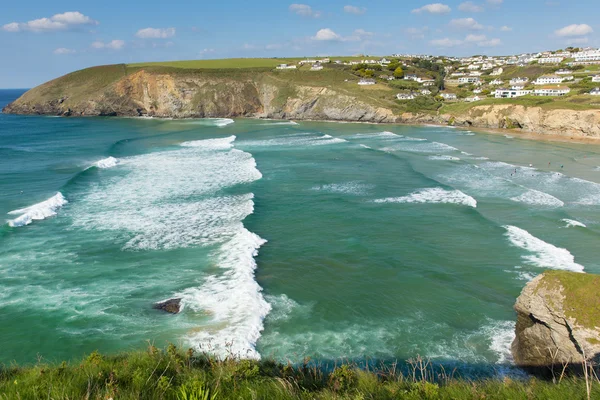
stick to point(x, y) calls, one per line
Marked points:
point(316, 67)
point(548, 79)
point(596, 78)
point(286, 66)
point(515, 81)
point(469, 79)
point(551, 91)
point(405, 96)
point(510, 93)
point(595, 92)
point(449, 96)
point(550, 60)
point(366, 82)
point(497, 71)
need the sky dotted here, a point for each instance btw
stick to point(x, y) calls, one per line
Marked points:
point(42, 40)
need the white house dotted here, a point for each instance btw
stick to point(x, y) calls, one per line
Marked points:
point(548, 80)
point(497, 71)
point(468, 79)
point(478, 90)
point(518, 86)
point(595, 92)
point(316, 67)
point(596, 78)
point(514, 81)
point(405, 96)
point(552, 91)
point(410, 77)
point(429, 83)
point(476, 73)
point(496, 82)
point(474, 67)
point(510, 93)
point(366, 82)
point(564, 72)
point(302, 62)
point(448, 96)
point(425, 92)
point(458, 74)
point(487, 66)
point(286, 66)
point(587, 55)
point(550, 60)
point(472, 99)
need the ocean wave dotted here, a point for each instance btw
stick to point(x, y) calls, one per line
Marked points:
point(280, 123)
point(233, 299)
point(543, 255)
point(107, 163)
point(415, 145)
point(39, 211)
point(535, 197)
point(572, 223)
point(295, 140)
point(434, 195)
point(354, 188)
point(211, 144)
point(444, 158)
point(219, 122)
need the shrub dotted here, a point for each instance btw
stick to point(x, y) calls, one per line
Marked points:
point(343, 379)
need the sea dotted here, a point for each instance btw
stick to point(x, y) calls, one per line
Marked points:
point(285, 240)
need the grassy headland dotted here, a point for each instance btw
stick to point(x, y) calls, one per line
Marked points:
point(172, 374)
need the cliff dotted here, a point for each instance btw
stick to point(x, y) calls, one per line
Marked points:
point(331, 94)
point(558, 320)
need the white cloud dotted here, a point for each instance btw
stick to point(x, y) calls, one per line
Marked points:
point(466, 23)
point(475, 38)
point(155, 33)
point(58, 22)
point(446, 42)
point(304, 10)
point(326, 34)
point(489, 43)
point(495, 2)
point(63, 50)
point(506, 28)
point(205, 52)
point(112, 45)
point(436, 8)
point(574, 30)
point(469, 6)
point(416, 33)
point(355, 10)
point(273, 46)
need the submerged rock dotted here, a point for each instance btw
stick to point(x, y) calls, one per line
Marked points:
point(558, 320)
point(172, 306)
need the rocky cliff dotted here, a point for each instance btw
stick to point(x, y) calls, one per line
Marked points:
point(558, 320)
point(197, 95)
point(120, 90)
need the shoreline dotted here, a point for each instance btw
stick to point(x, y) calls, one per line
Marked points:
point(519, 134)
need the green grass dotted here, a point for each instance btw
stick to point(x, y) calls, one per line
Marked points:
point(580, 292)
point(229, 63)
point(172, 374)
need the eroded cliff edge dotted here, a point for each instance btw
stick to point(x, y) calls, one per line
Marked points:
point(558, 320)
point(118, 90)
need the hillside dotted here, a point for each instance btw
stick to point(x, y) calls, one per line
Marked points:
point(255, 88)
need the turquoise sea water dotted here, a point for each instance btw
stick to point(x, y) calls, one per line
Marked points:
point(321, 240)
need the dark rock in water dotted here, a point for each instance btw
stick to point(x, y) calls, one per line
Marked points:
point(172, 306)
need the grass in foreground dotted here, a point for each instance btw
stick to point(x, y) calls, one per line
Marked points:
point(172, 374)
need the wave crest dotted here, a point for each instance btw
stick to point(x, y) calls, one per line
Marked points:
point(434, 195)
point(38, 211)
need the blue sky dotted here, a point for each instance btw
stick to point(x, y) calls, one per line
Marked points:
point(42, 40)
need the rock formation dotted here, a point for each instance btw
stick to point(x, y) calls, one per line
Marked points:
point(558, 320)
point(172, 306)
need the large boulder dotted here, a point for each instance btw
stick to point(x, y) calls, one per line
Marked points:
point(558, 320)
point(172, 306)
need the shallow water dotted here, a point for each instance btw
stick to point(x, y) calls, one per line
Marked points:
point(284, 240)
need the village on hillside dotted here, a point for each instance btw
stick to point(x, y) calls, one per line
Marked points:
point(569, 72)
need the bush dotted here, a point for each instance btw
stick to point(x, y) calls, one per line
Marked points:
point(343, 379)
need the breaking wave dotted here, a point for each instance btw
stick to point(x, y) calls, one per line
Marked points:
point(39, 211)
point(535, 197)
point(572, 223)
point(542, 254)
point(434, 195)
point(107, 163)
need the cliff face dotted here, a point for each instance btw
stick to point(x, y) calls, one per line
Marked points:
point(117, 90)
point(198, 95)
point(558, 320)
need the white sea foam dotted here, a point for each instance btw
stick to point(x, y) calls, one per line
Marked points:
point(295, 140)
point(572, 223)
point(434, 195)
point(280, 123)
point(419, 146)
point(542, 254)
point(535, 197)
point(233, 299)
point(508, 136)
point(354, 188)
point(107, 163)
point(444, 158)
point(501, 335)
point(39, 211)
point(364, 146)
point(177, 199)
